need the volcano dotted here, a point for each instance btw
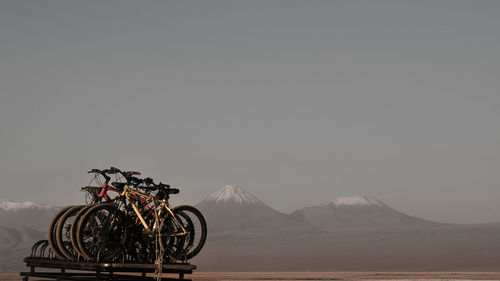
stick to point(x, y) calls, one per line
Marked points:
point(357, 212)
point(232, 209)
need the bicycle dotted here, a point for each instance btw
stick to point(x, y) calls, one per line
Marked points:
point(101, 232)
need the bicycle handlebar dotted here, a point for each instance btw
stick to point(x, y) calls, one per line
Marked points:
point(159, 186)
point(131, 179)
point(126, 174)
point(114, 170)
point(102, 172)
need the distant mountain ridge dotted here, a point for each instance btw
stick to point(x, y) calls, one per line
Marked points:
point(8, 205)
point(28, 213)
point(232, 209)
point(21, 225)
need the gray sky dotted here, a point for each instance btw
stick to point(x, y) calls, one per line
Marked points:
point(295, 101)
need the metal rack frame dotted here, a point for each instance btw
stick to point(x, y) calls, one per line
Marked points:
point(80, 271)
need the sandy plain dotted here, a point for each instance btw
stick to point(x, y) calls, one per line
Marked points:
point(303, 276)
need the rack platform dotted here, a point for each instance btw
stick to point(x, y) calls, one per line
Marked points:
point(80, 271)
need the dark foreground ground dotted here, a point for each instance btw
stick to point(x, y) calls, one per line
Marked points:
point(299, 276)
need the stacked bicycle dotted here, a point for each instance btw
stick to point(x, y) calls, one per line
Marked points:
point(127, 220)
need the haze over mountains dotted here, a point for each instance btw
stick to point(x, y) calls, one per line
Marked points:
point(347, 233)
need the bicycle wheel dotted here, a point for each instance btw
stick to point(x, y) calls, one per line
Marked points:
point(52, 233)
point(198, 231)
point(101, 233)
point(184, 242)
point(63, 234)
point(170, 240)
point(74, 228)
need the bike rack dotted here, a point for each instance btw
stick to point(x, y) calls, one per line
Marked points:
point(55, 269)
point(101, 271)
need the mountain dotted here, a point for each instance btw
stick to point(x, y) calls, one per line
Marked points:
point(232, 209)
point(357, 212)
point(355, 234)
point(21, 225)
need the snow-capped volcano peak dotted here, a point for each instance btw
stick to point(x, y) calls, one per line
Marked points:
point(356, 201)
point(233, 193)
point(8, 205)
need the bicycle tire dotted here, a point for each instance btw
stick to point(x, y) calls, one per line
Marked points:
point(199, 229)
point(63, 233)
point(93, 227)
point(74, 228)
point(52, 230)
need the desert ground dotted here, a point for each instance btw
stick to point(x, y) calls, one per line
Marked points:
point(302, 276)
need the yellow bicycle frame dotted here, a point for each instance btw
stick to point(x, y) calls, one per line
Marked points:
point(127, 191)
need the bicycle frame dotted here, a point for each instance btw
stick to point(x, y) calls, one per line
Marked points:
point(128, 192)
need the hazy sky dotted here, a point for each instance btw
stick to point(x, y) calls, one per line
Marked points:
point(298, 102)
